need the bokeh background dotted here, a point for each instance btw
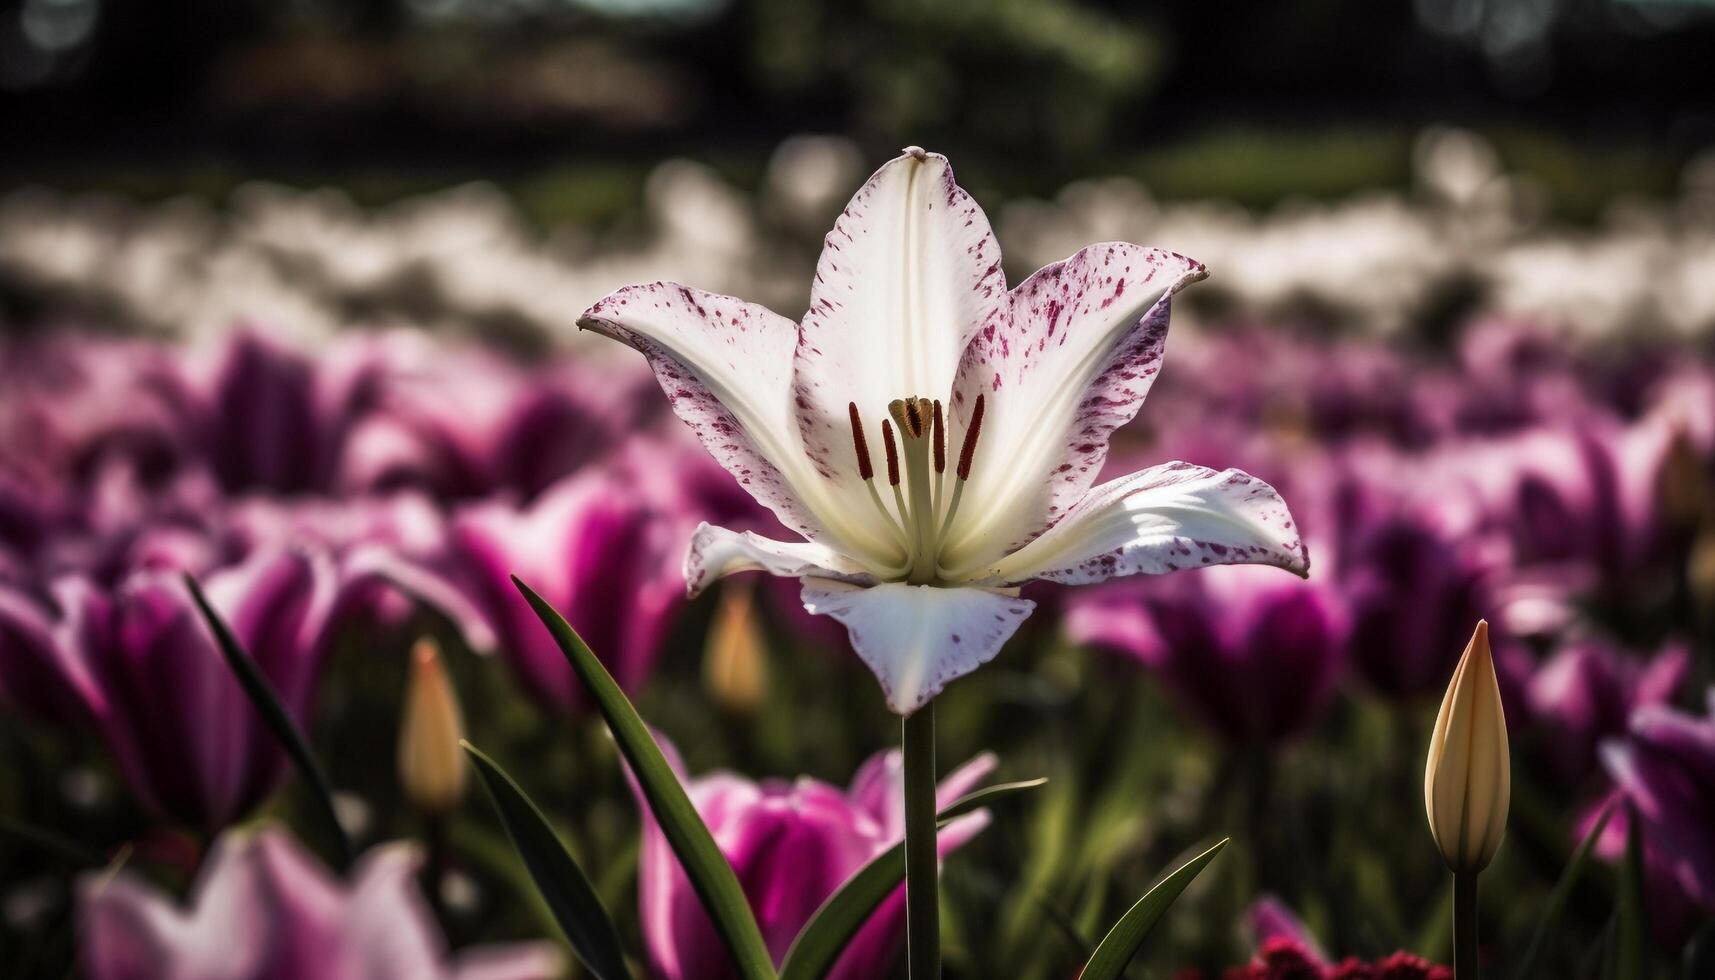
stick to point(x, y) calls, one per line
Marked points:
point(289, 294)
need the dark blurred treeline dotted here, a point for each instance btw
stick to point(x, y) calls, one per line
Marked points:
point(1037, 91)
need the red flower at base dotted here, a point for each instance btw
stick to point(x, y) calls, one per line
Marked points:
point(1284, 958)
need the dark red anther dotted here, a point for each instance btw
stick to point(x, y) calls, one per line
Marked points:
point(940, 440)
point(892, 453)
point(865, 469)
point(971, 433)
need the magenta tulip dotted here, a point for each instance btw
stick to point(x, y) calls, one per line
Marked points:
point(1586, 693)
point(1252, 652)
point(792, 845)
point(1664, 772)
point(139, 664)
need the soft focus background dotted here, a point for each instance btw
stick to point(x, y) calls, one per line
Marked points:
point(289, 292)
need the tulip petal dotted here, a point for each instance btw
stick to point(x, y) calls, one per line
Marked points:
point(514, 961)
point(1165, 518)
point(879, 788)
point(726, 367)
point(1073, 363)
point(917, 638)
point(41, 667)
point(717, 552)
point(131, 930)
point(909, 274)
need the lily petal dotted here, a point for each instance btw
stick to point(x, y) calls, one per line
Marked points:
point(726, 367)
point(717, 552)
point(917, 638)
point(1072, 364)
point(1162, 519)
point(909, 274)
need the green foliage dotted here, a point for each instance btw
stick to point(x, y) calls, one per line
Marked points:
point(562, 883)
point(702, 860)
point(1123, 941)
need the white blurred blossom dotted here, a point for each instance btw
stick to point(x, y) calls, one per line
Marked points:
point(464, 260)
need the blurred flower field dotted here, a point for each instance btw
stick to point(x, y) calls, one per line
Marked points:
point(352, 425)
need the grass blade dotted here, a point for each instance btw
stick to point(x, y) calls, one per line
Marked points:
point(1628, 956)
point(559, 879)
point(266, 701)
point(1123, 941)
point(1555, 907)
point(704, 864)
point(819, 944)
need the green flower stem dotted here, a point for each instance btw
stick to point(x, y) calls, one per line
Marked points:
point(922, 911)
point(1465, 926)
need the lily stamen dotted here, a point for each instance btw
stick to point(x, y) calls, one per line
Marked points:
point(940, 447)
point(922, 520)
point(866, 472)
point(866, 469)
point(918, 490)
point(898, 492)
point(963, 473)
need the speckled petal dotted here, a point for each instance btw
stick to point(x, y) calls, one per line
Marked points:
point(909, 274)
point(1162, 519)
point(717, 552)
point(726, 367)
point(918, 638)
point(1073, 363)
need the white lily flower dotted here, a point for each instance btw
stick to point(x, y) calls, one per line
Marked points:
point(912, 340)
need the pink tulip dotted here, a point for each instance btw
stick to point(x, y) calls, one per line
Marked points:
point(262, 909)
point(595, 547)
point(792, 845)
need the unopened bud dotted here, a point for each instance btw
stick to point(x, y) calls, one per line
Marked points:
point(1467, 784)
point(431, 764)
point(1683, 486)
point(735, 663)
point(1700, 572)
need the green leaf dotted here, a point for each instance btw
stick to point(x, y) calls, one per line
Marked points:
point(825, 936)
point(711, 876)
point(266, 701)
point(1628, 951)
point(562, 883)
point(976, 799)
point(1555, 908)
point(1126, 937)
point(819, 944)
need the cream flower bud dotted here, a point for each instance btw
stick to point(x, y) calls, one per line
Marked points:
point(1467, 784)
point(735, 664)
point(1700, 572)
point(431, 764)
